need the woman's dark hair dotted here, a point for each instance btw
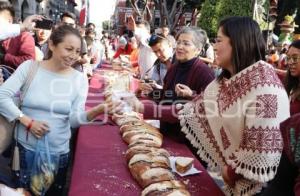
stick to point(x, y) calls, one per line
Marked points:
point(247, 42)
point(291, 82)
point(58, 35)
point(283, 51)
point(89, 25)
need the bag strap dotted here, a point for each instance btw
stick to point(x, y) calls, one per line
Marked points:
point(29, 78)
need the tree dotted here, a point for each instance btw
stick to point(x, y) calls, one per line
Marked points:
point(141, 8)
point(209, 17)
point(170, 10)
point(214, 10)
point(236, 8)
point(261, 13)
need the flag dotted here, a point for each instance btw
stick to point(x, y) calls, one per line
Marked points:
point(82, 15)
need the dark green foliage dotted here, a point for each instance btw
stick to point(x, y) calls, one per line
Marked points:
point(214, 10)
point(209, 17)
point(191, 4)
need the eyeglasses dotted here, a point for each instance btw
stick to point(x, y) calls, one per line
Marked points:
point(185, 43)
point(293, 59)
point(154, 39)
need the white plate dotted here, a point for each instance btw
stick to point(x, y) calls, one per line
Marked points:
point(191, 171)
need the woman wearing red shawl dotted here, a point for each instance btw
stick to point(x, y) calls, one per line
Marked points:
point(234, 124)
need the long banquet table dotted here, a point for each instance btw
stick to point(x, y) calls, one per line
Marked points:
point(100, 167)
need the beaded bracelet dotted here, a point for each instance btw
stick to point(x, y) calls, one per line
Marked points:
point(28, 128)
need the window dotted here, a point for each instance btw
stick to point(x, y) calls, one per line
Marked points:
point(156, 22)
point(188, 21)
point(138, 18)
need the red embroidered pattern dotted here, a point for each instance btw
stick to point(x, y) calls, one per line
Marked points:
point(199, 105)
point(225, 140)
point(262, 139)
point(260, 74)
point(232, 157)
point(266, 106)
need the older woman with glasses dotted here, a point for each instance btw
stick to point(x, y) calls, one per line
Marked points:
point(187, 77)
point(293, 75)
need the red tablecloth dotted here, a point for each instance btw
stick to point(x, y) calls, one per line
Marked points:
point(100, 167)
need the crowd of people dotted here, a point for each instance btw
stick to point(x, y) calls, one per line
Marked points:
point(233, 105)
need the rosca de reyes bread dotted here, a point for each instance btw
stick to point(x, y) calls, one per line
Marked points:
point(125, 118)
point(166, 188)
point(146, 142)
point(154, 175)
point(131, 136)
point(133, 125)
point(143, 149)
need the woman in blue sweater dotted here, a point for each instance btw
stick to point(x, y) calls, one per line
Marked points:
point(54, 102)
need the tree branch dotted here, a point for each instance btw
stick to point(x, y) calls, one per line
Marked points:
point(177, 17)
point(135, 7)
point(195, 13)
point(174, 9)
point(167, 17)
point(145, 8)
point(149, 14)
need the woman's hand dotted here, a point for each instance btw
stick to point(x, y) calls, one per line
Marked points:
point(226, 177)
point(131, 25)
point(39, 128)
point(183, 91)
point(29, 22)
point(133, 102)
point(113, 107)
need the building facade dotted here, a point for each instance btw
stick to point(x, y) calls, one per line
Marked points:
point(24, 8)
point(54, 8)
point(50, 8)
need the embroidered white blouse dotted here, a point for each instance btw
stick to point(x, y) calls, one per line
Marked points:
point(236, 123)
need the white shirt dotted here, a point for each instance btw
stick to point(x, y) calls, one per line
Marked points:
point(146, 57)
